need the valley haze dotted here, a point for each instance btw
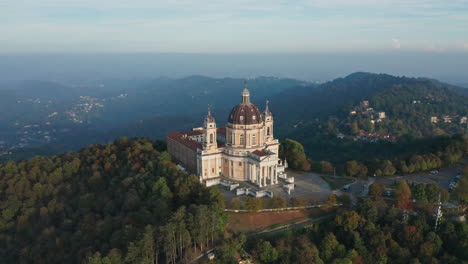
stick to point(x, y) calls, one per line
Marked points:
point(316, 67)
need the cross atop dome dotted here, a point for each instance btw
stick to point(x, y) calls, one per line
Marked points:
point(245, 94)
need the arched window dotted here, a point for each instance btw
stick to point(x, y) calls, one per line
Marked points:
point(242, 142)
point(211, 138)
point(268, 131)
point(254, 139)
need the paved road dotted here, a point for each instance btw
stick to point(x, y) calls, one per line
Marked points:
point(290, 226)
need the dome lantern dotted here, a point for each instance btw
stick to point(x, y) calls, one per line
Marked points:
point(245, 94)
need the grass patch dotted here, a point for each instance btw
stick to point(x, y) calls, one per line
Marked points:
point(252, 222)
point(336, 182)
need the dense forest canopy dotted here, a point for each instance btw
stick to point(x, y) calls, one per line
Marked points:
point(370, 234)
point(104, 201)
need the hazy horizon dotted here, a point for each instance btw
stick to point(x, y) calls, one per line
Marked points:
point(82, 40)
point(319, 67)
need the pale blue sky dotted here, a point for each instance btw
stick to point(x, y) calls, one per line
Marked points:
point(230, 26)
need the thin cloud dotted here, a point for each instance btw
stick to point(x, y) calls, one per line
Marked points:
point(224, 26)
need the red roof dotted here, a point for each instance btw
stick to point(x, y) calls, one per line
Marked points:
point(183, 139)
point(260, 153)
point(194, 132)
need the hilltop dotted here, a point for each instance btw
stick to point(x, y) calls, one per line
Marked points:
point(104, 200)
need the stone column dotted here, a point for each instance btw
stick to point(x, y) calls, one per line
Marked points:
point(272, 176)
point(252, 173)
point(258, 181)
point(275, 174)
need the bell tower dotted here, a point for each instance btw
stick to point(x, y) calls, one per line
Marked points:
point(268, 117)
point(209, 128)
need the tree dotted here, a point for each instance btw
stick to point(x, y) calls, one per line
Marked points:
point(461, 191)
point(419, 193)
point(253, 204)
point(432, 192)
point(143, 251)
point(111, 258)
point(328, 247)
point(326, 167)
point(362, 171)
point(349, 220)
point(161, 189)
point(403, 196)
point(354, 128)
point(306, 252)
point(277, 202)
point(236, 203)
point(352, 168)
point(387, 168)
point(294, 153)
point(331, 201)
point(266, 252)
point(298, 202)
point(368, 210)
point(403, 167)
point(375, 191)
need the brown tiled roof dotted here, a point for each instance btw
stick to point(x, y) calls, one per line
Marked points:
point(245, 114)
point(184, 140)
point(193, 132)
point(260, 153)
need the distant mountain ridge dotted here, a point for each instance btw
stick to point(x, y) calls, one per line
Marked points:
point(150, 108)
point(75, 115)
point(332, 97)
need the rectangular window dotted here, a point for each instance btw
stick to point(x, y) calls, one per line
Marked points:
point(240, 164)
point(254, 139)
point(242, 139)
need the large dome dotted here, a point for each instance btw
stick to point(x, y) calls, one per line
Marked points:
point(245, 114)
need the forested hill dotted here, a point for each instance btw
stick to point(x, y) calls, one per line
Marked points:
point(120, 201)
point(410, 106)
point(311, 102)
point(409, 102)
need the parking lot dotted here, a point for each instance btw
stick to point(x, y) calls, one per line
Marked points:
point(307, 185)
point(442, 178)
point(312, 187)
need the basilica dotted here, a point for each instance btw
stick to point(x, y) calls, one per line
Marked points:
point(243, 150)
